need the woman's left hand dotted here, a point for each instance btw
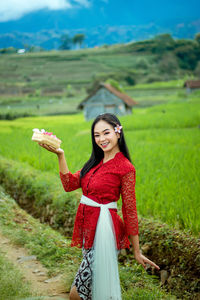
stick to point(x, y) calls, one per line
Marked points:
point(141, 259)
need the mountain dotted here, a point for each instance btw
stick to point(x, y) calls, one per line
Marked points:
point(103, 22)
point(50, 39)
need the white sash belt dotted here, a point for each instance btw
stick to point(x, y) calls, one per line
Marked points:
point(105, 278)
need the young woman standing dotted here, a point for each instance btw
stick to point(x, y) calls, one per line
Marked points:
point(98, 229)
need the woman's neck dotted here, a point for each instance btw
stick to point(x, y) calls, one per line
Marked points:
point(110, 155)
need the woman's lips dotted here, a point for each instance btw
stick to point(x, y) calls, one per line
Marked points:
point(104, 145)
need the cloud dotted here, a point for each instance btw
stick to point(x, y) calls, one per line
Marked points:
point(15, 9)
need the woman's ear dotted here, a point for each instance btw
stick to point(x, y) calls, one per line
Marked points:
point(118, 135)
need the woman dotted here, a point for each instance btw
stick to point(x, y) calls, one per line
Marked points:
point(98, 229)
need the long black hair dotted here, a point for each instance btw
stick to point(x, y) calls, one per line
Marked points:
point(97, 152)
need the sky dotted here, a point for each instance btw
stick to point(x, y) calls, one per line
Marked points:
point(11, 10)
point(15, 9)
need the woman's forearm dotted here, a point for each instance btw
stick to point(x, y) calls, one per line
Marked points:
point(135, 242)
point(62, 163)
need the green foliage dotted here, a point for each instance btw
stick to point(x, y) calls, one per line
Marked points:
point(158, 132)
point(50, 247)
point(197, 70)
point(115, 84)
point(146, 46)
point(188, 56)
point(129, 64)
point(153, 77)
point(39, 194)
point(161, 86)
point(70, 92)
point(133, 288)
point(163, 43)
point(9, 50)
point(142, 64)
point(66, 42)
point(54, 251)
point(12, 284)
point(164, 38)
point(168, 64)
point(78, 39)
point(197, 37)
point(13, 115)
point(181, 255)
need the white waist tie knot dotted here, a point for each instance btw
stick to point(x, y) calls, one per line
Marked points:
point(105, 278)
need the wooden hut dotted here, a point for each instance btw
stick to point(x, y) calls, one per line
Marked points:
point(192, 85)
point(106, 98)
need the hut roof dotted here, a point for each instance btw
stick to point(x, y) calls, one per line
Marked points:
point(192, 84)
point(125, 98)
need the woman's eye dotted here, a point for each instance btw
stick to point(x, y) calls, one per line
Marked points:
point(98, 135)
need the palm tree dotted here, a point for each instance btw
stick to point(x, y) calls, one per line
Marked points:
point(78, 39)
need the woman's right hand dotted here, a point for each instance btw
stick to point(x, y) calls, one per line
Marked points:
point(52, 149)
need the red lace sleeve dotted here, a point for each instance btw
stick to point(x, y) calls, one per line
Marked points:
point(70, 181)
point(129, 209)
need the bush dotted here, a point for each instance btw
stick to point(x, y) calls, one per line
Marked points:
point(187, 56)
point(168, 64)
point(197, 70)
point(142, 64)
point(38, 194)
point(153, 77)
point(14, 115)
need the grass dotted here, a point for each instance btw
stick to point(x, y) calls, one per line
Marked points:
point(13, 286)
point(50, 247)
point(54, 251)
point(66, 102)
point(164, 146)
point(178, 83)
point(79, 68)
point(48, 106)
point(25, 79)
point(162, 135)
point(57, 69)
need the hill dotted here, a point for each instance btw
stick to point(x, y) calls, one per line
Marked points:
point(95, 36)
point(102, 22)
point(32, 81)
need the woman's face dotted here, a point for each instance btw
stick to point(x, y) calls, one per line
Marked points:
point(106, 137)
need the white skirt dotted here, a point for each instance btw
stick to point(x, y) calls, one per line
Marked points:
point(105, 275)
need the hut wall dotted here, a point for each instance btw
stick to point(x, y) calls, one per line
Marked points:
point(103, 101)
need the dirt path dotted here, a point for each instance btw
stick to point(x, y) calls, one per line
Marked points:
point(33, 271)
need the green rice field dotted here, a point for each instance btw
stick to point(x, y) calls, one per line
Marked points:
point(164, 142)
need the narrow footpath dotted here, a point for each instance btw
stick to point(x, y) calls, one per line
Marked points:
point(34, 271)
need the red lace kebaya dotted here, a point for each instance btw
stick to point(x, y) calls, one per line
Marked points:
point(104, 183)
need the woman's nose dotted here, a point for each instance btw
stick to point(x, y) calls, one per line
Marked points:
point(102, 138)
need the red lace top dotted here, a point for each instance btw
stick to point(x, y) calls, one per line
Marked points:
point(104, 183)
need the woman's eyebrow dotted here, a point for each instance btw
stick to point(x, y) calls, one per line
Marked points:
point(103, 130)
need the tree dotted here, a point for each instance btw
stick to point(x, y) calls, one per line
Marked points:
point(66, 42)
point(187, 56)
point(168, 64)
point(163, 42)
point(165, 38)
point(197, 70)
point(78, 39)
point(9, 50)
point(197, 37)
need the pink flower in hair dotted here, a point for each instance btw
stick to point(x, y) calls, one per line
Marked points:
point(118, 128)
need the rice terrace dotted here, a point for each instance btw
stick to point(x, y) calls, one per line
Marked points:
point(43, 90)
